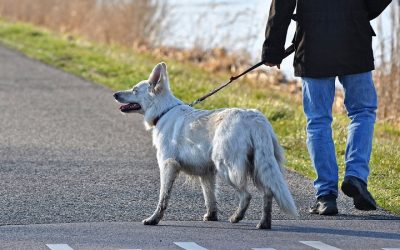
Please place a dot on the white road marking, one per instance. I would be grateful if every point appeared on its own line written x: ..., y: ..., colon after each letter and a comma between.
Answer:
x: 319, y: 245
x: 189, y: 246
x: 193, y: 246
x: 59, y: 247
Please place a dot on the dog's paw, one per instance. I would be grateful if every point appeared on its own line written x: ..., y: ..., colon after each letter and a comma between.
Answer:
x: 150, y: 221
x: 210, y: 217
x: 235, y: 218
x: 263, y: 225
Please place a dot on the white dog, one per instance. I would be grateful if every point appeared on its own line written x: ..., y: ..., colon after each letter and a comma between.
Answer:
x: 233, y: 143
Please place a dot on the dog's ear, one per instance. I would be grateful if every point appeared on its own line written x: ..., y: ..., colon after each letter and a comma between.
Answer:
x: 158, y: 78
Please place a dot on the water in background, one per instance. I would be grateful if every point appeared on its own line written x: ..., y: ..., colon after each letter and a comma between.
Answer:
x: 232, y: 24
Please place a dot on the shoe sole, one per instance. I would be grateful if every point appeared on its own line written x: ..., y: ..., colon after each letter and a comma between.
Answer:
x: 333, y: 211
x: 329, y: 212
x: 361, y: 202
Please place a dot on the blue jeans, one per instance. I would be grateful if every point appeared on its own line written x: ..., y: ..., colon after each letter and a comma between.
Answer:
x: 361, y: 103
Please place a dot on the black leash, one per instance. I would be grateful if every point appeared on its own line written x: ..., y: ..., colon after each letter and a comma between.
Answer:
x: 288, y: 51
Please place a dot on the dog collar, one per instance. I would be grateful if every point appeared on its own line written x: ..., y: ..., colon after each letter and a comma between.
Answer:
x: 163, y: 113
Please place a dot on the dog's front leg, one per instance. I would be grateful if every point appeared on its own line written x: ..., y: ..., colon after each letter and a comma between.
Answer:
x: 168, y: 172
x: 208, y: 186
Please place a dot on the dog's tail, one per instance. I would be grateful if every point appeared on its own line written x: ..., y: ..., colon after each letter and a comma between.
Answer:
x: 268, y: 168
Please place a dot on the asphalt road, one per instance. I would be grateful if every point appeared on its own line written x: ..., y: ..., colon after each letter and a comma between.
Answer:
x: 67, y: 155
x: 287, y: 234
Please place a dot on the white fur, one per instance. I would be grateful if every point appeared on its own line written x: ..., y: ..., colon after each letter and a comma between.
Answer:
x: 233, y: 143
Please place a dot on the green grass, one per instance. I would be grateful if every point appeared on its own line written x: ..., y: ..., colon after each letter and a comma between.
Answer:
x: 119, y: 68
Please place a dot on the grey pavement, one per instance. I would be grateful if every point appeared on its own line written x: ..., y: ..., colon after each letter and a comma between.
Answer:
x: 67, y: 155
x: 286, y: 234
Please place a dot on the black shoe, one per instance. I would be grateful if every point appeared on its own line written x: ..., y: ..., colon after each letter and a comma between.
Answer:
x: 357, y: 189
x: 325, y: 205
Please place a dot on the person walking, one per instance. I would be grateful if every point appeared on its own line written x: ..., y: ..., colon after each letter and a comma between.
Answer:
x: 332, y: 39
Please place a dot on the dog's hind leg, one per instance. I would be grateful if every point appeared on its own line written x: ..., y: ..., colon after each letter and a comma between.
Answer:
x: 238, y: 180
x: 244, y: 201
x: 208, y: 186
x: 168, y: 173
x: 265, y: 222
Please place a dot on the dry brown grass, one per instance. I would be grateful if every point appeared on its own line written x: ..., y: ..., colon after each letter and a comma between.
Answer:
x: 129, y: 23
x: 138, y: 24
x: 214, y: 60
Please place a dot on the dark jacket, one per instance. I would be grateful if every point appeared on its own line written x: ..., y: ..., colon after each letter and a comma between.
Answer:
x: 333, y: 37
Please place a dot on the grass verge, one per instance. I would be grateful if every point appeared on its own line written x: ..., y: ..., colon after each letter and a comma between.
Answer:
x: 119, y: 68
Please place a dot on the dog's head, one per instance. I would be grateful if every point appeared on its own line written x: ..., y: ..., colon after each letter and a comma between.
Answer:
x: 146, y: 93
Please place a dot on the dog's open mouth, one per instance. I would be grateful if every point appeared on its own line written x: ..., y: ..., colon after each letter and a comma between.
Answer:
x: 130, y: 107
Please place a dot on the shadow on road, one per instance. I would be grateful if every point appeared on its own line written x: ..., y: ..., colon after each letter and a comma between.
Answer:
x: 333, y: 228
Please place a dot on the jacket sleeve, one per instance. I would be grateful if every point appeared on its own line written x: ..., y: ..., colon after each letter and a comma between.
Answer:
x: 280, y: 14
x: 376, y: 7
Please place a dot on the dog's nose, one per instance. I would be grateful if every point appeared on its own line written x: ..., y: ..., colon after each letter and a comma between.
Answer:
x: 116, y: 95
